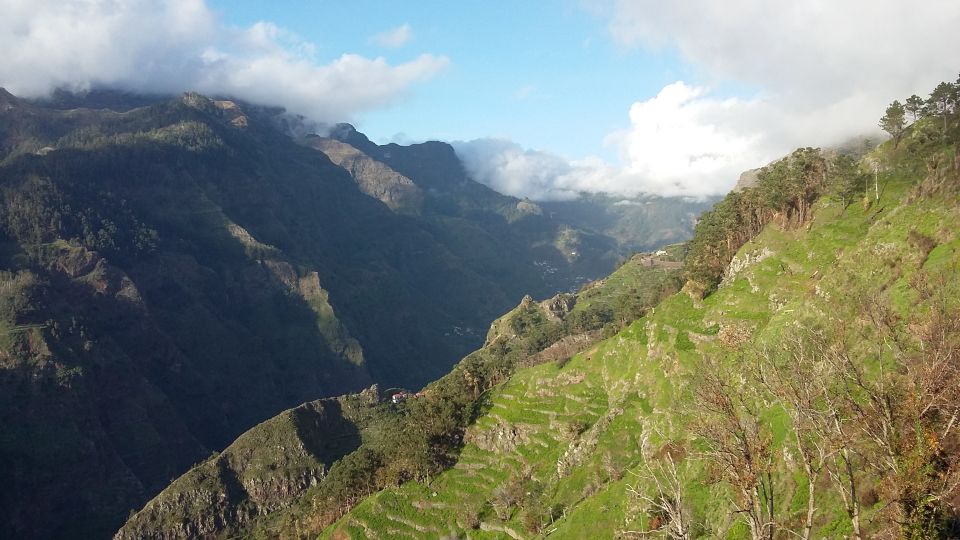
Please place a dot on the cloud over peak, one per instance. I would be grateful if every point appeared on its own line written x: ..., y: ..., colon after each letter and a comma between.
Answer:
x: 178, y: 45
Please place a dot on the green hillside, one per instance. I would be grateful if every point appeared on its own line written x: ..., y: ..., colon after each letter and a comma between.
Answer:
x: 823, y: 358
x: 389, y: 443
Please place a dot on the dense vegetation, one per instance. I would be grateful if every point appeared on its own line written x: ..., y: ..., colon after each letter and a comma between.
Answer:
x: 786, y: 189
x: 804, y: 383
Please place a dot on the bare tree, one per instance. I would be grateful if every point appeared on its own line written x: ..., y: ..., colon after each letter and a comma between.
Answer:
x: 904, y: 399
x: 739, y: 445
x: 799, y: 377
x: 794, y: 377
x: 667, y: 500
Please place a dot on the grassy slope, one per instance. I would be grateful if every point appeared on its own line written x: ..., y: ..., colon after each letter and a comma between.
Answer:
x: 630, y: 387
x: 190, y: 506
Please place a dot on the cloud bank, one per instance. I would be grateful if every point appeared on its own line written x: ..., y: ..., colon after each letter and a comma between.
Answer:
x: 177, y: 45
x: 808, y: 54
x: 681, y: 142
x: 819, y: 72
x: 823, y: 72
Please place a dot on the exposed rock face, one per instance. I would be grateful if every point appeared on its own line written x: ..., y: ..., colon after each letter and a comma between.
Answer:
x: 233, y: 113
x: 7, y: 101
x: 557, y: 307
x: 373, y: 177
x: 346, y: 133
x: 565, y: 347
x: 747, y: 179
x: 527, y: 207
x: 584, y: 445
x: 739, y: 264
x: 503, y: 438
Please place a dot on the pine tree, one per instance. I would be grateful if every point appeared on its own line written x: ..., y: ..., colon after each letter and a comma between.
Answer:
x: 914, y: 106
x: 894, y: 121
x: 846, y: 179
x: 942, y: 101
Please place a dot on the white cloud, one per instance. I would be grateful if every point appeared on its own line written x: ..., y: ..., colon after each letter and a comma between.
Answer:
x: 822, y: 71
x: 178, y: 45
x: 509, y: 168
x: 681, y: 142
x: 684, y: 142
x: 395, y: 38
x: 811, y: 53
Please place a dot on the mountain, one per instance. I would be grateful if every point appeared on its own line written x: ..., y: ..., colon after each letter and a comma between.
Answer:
x: 174, y: 271
x: 373, y: 177
x: 803, y: 381
x: 495, y: 234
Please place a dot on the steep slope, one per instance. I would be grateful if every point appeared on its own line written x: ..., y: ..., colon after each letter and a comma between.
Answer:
x: 387, y: 450
x: 374, y: 178
x: 495, y: 233
x: 803, y: 382
x: 638, y: 435
x: 175, y: 271
x: 226, y: 492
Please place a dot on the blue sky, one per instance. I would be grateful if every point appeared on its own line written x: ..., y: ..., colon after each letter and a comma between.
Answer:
x: 545, y: 99
x: 547, y: 75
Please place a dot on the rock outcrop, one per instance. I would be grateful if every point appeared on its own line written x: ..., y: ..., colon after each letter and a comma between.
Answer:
x: 372, y: 177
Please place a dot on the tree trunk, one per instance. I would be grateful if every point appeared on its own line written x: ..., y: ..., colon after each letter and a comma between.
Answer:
x: 854, y: 505
x: 811, y: 507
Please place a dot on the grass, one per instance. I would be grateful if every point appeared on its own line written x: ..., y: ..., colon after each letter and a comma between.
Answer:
x: 640, y: 379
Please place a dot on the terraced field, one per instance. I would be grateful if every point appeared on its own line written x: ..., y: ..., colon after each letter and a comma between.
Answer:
x: 563, y: 446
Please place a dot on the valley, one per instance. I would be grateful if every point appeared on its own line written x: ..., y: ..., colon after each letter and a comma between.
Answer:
x: 178, y: 272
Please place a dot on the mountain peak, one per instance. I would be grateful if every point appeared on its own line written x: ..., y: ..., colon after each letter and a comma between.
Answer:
x: 346, y: 133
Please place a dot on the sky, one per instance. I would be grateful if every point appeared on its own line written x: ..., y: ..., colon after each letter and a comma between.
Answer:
x: 543, y: 99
